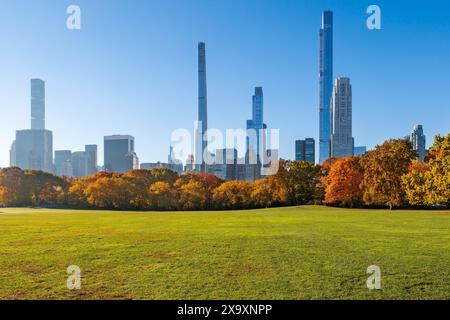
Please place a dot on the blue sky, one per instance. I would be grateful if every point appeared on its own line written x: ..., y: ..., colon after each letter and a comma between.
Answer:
x: 132, y: 68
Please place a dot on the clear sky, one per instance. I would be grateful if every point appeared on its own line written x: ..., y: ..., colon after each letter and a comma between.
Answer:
x: 132, y: 68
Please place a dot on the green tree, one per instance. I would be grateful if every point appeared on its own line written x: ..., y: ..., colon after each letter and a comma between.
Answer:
x: 383, y: 171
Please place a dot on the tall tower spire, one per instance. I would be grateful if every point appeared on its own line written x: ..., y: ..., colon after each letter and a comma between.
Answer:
x: 201, y: 144
x: 326, y: 84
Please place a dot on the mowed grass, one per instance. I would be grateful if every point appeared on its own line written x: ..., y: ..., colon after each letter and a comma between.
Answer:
x: 283, y: 253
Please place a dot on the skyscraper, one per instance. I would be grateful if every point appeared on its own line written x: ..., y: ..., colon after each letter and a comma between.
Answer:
x: 418, y: 141
x: 200, y: 143
x: 37, y: 104
x: 91, y: 159
x: 33, y: 149
x: 326, y: 84
x: 341, y: 119
x: 119, y: 153
x: 256, y: 140
x: 305, y: 150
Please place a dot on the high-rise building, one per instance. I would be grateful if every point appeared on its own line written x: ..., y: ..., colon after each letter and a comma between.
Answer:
x: 418, y: 141
x: 12, y: 155
x: 200, y: 139
x: 342, y: 142
x: 226, y: 165
x: 37, y: 104
x: 61, y: 158
x: 79, y: 164
x: 33, y: 149
x: 256, y: 137
x: 119, y: 153
x: 305, y: 150
x: 326, y: 84
x: 91, y: 159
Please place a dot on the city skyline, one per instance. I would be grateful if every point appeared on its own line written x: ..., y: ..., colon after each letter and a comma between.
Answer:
x: 73, y: 104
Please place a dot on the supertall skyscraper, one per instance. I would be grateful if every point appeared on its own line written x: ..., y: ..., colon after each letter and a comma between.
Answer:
x: 256, y: 137
x: 37, y: 104
x: 201, y: 144
x: 342, y: 142
x: 33, y: 149
x: 326, y: 84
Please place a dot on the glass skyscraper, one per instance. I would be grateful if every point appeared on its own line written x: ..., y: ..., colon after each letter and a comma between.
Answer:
x: 201, y: 144
x: 326, y: 84
x: 418, y: 141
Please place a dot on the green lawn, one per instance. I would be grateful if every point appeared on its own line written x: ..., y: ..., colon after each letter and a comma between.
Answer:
x: 289, y: 253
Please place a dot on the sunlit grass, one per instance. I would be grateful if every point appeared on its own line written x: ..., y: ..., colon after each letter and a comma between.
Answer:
x: 288, y: 253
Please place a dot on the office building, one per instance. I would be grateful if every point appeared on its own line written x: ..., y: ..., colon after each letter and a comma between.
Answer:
x: 79, y: 164
x: 418, y: 141
x: 91, y: 159
x: 33, y: 149
x: 326, y: 85
x: 119, y: 155
x: 305, y: 150
x: 342, y: 142
x: 62, y: 157
x: 37, y: 104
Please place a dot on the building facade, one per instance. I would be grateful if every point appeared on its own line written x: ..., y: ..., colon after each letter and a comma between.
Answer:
x: 91, y: 159
x: 305, y: 150
x: 326, y: 85
x: 119, y: 154
x: 62, y: 159
x: 342, y: 142
x: 33, y: 149
x: 37, y: 104
x: 418, y: 141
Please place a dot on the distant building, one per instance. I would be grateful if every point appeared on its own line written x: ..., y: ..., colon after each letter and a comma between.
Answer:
x: 342, y: 142
x: 200, y: 139
x: 33, y: 149
x: 418, y: 141
x: 326, y: 85
x: 119, y: 153
x: 305, y: 150
x: 12, y: 155
x: 91, y: 159
x: 225, y: 166
x: 79, y: 164
x: 62, y: 157
x: 360, y: 150
x: 37, y: 104
x: 256, y: 137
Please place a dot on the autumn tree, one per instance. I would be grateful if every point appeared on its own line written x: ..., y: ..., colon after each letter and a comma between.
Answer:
x: 268, y: 192
x: 233, y: 195
x: 343, y: 183
x: 429, y: 183
x: 383, y: 171
x: 13, y: 190
x: 301, y: 180
x: 110, y: 193
x: 196, y: 190
x: 163, y: 196
x: 46, y: 189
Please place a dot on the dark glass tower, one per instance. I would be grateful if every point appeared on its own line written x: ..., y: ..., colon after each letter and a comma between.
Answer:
x: 326, y: 84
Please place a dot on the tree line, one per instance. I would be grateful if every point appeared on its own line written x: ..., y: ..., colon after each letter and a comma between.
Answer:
x: 388, y: 176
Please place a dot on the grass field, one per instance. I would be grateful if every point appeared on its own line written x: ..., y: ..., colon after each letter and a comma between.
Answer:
x: 289, y: 253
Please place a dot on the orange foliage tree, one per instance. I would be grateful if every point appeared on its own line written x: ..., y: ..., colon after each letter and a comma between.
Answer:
x: 343, y: 183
